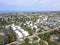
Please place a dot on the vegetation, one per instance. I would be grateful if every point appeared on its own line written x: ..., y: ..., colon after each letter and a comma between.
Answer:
x: 7, y: 37
x: 45, y: 36
x: 30, y: 31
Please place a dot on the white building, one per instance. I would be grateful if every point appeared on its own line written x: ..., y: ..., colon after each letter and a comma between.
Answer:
x: 20, y: 32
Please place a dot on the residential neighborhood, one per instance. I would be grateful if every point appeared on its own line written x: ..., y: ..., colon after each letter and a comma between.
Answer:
x: 30, y: 29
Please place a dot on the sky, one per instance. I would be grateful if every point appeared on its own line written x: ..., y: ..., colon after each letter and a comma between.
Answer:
x: 29, y: 5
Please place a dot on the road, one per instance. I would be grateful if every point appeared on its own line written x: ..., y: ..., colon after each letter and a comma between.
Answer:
x: 34, y: 34
x: 46, y: 31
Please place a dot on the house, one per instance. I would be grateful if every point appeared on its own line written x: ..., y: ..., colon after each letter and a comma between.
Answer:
x: 53, y: 36
x: 1, y: 33
x: 46, y: 28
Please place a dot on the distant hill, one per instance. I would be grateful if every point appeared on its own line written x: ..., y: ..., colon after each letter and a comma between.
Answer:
x: 39, y: 12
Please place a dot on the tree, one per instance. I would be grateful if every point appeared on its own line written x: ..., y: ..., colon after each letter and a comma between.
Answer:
x: 26, y: 41
x: 45, y: 36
